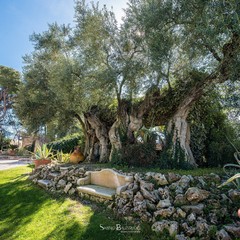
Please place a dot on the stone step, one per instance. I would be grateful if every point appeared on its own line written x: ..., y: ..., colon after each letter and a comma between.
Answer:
x: 44, y: 183
x: 66, y: 168
x: 52, y: 175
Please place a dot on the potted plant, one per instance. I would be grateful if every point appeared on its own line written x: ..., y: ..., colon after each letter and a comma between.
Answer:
x: 42, y: 155
x: 62, y: 157
x: 12, y: 150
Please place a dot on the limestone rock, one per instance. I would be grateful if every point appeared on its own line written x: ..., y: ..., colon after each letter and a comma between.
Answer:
x: 202, y: 228
x: 138, y: 177
x: 170, y: 226
x: 234, y: 230
x: 128, y: 194
x: 146, y: 217
x: 71, y: 191
x: 150, y: 206
x: 179, y: 190
x: 173, y: 177
x: 196, y: 195
x: 222, y: 235
x: 180, y: 200
x: 147, y: 195
x: 121, y: 202
x: 164, y: 203
x: 213, y: 217
x: 156, y: 194
x: 164, y: 193
x: 44, y: 183
x: 198, y: 209
x: 234, y: 195
x: 213, y: 178
x: 61, y: 183
x: 180, y: 213
x: 161, y: 179
x: 189, y: 231
x: 135, y: 188
x: 146, y: 185
x: 165, y: 212
x: 201, y: 182
x: 138, y: 197
x: 126, y: 210
x: 191, y: 218
x: 180, y: 237
x: 149, y: 175
x: 67, y: 187
x: 140, y: 207
x: 184, y: 182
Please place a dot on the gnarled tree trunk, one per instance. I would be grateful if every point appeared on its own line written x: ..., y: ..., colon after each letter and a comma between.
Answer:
x: 101, y: 132
x: 179, y: 126
x: 90, y: 143
x: 130, y: 119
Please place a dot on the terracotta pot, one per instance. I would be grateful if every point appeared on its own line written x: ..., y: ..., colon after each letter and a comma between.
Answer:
x: 76, y: 157
x: 40, y: 162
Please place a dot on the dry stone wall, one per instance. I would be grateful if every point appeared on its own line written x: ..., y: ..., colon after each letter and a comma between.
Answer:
x: 186, y: 207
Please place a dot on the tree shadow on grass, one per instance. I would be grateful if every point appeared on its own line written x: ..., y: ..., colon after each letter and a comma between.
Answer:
x: 19, y: 200
x: 104, y: 225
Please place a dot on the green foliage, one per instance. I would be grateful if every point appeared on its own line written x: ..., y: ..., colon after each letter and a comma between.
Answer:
x: 209, y: 128
x: 66, y: 144
x: 4, y: 142
x: 62, y: 157
x: 13, y: 146
x: 23, y: 152
x: 43, y: 152
x: 138, y: 155
x: 97, y: 62
x: 142, y: 153
x: 233, y: 168
x: 172, y: 156
x: 9, y: 78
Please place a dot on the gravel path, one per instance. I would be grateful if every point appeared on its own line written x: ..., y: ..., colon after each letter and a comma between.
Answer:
x: 6, y: 164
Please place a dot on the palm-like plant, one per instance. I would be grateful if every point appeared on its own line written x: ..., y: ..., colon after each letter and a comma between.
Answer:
x: 43, y: 152
x: 235, y: 179
x: 62, y: 157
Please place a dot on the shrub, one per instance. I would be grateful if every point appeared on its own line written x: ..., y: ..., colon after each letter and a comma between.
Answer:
x: 231, y: 168
x: 172, y: 156
x: 66, y: 144
x: 209, y: 128
x: 137, y: 155
x: 62, y: 157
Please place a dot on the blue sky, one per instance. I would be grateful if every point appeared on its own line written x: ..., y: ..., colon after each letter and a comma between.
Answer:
x: 20, y: 18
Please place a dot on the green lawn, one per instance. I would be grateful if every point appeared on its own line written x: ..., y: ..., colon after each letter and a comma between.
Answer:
x: 193, y: 172
x: 29, y: 213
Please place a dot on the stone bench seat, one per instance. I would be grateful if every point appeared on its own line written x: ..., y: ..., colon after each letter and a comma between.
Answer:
x: 105, y: 184
x: 98, y: 191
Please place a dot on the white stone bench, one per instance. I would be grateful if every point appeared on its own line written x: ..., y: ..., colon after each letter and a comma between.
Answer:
x: 104, y: 184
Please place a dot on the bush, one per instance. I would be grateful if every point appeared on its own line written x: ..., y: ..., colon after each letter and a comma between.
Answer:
x: 137, y: 155
x: 209, y: 131
x: 172, y: 156
x: 67, y: 144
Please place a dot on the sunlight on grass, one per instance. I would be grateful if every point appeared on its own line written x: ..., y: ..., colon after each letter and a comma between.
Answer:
x: 29, y: 213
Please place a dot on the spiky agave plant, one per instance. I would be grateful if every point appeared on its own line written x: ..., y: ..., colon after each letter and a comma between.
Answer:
x: 43, y: 152
x: 235, y: 179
